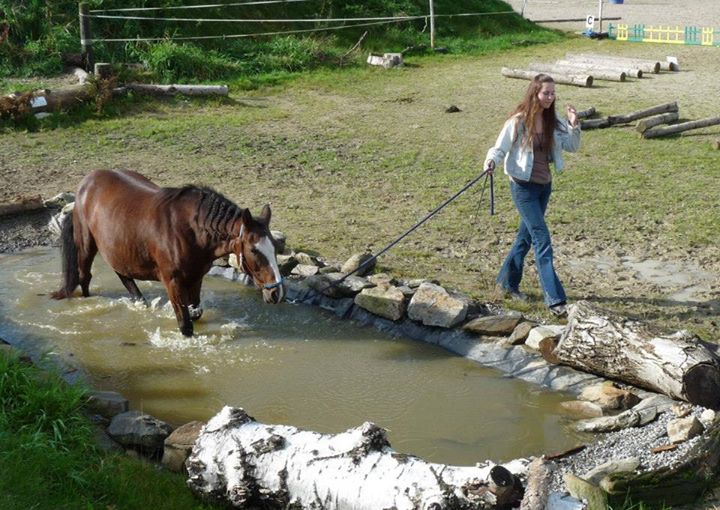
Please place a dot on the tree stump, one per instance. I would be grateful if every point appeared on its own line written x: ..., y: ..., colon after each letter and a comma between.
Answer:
x: 245, y: 464
x: 677, y: 365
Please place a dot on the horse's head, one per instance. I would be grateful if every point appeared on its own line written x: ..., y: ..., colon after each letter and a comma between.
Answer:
x: 255, y: 249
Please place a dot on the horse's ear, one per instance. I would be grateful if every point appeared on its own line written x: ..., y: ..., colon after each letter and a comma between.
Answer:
x: 246, y: 217
x: 265, y: 214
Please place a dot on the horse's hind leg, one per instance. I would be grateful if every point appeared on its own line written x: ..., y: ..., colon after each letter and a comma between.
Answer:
x: 87, y: 249
x: 132, y: 288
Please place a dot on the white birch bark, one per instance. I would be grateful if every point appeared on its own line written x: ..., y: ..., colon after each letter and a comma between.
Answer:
x: 244, y: 463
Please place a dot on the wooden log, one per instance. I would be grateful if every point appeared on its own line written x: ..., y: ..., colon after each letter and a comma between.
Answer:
x: 102, y: 70
x: 567, y: 79
x: 594, y: 123
x: 596, y: 73
x: 631, y: 72
x: 646, y: 66
x: 584, y: 114
x: 24, y: 204
x: 64, y: 98
x: 679, y: 128
x: 243, y: 463
x: 187, y: 90
x: 664, y: 118
x: 678, y: 365
x: 537, y: 489
x: 640, y: 114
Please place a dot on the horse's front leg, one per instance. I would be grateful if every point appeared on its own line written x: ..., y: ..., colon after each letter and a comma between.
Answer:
x: 177, y: 292
x: 194, y: 307
x: 132, y: 288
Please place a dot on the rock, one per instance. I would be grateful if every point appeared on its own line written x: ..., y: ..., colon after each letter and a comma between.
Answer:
x: 305, y: 259
x: 609, y: 423
x: 434, y: 306
x: 707, y: 417
x: 683, y: 429
x: 133, y: 429
x: 222, y: 261
x: 329, y: 286
x: 582, y: 408
x: 381, y: 279
x: 280, y: 241
x: 609, y: 397
x: 179, y: 444
x: 494, y: 325
x: 558, y: 501
x: 681, y: 409
x: 521, y: 332
x: 286, y: 263
x: 540, y: 333
x: 408, y: 292
x: 385, y: 301
x: 329, y: 269
x: 366, y: 260
x: 594, y: 496
x: 305, y: 270
x: 596, y: 474
x: 107, y: 403
x: 59, y: 200
x: 660, y: 403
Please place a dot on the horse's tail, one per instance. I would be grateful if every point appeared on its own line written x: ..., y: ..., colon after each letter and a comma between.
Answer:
x: 71, y: 275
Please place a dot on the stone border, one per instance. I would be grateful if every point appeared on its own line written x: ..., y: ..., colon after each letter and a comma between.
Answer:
x: 490, y: 336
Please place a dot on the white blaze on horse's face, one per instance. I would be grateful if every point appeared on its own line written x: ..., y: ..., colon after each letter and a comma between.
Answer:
x: 267, y: 249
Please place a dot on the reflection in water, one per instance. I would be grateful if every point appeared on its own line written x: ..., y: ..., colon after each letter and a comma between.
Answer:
x: 284, y: 364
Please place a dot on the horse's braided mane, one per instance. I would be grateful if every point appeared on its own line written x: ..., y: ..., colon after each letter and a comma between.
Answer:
x: 215, y: 213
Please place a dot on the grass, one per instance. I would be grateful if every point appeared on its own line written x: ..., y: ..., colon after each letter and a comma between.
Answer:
x: 351, y: 158
x: 48, y: 457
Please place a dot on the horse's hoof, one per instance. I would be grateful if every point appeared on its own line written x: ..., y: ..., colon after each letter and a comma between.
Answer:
x: 195, y: 312
x: 187, y: 331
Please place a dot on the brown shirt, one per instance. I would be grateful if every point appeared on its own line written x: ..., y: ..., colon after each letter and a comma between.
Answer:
x: 541, y: 164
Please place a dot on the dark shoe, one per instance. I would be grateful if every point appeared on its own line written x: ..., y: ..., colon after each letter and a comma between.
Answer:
x: 559, y: 310
x: 515, y: 295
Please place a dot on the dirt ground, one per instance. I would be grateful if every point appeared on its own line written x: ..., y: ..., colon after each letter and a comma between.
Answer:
x: 352, y: 165
x: 699, y: 13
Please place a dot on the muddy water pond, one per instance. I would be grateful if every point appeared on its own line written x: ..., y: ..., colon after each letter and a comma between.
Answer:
x: 287, y: 364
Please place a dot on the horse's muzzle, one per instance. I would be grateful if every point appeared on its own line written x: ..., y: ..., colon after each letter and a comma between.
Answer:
x: 274, y: 295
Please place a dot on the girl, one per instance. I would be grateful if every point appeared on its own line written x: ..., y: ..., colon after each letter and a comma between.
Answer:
x: 531, y: 138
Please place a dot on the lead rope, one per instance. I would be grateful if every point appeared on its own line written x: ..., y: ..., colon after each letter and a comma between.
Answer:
x: 411, y: 230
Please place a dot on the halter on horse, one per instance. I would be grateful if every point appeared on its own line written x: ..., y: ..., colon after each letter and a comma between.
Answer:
x: 171, y: 235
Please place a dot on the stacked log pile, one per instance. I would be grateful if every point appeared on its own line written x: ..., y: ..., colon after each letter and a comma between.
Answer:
x: 650, y: 121
x: 582, y: 69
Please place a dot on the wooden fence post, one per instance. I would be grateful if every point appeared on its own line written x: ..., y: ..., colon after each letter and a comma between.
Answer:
x: 432, y: 24
x: 86, y: 38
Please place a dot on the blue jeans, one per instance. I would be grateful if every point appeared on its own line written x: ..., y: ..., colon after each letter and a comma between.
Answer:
x: 531, y: 201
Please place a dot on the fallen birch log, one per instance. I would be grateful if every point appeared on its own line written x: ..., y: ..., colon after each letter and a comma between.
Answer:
x: 664, y: 118
x: 187, y: 90
x: 646, y: 66
x: 246, y: 464
x: 567, y: 79
x: 677, y: 365
x: 632, y: 72
x: 679, y: 128
x: 63, y: 99
x: 640, y: 114
x: 597, y: 74
x: 24, y: 204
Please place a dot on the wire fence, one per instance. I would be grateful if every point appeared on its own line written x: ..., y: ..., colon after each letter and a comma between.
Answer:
x: 323, y: 24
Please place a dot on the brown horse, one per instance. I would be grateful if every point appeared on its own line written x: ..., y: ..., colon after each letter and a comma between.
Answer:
x: 171, y: 235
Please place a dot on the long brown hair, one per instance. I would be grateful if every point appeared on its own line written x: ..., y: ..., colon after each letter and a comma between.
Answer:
x: 529, y: 109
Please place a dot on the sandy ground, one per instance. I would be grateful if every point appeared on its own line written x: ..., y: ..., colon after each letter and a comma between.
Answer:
x: 699, y: 13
